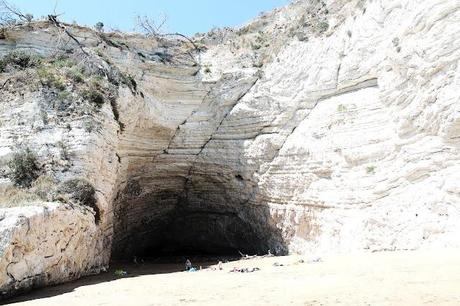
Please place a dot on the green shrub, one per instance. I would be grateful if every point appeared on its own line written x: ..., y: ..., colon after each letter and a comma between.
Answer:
x: 94, y: 95
x: 78, y: 191
x: 63, y: 95
x: 24, y: 168
x: 323, y: 26
x: 75, y: 75
x: 341, y: 108
x: 88, y: 126
x: 99, y: 26
x: 120, y: 273
x: 370, y: 170
x: 19, y: 60
x: 49, y: 78
x: 63, y: 61
x: 256, y: 46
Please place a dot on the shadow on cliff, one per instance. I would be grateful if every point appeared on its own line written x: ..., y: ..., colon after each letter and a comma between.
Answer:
x: 216, y: 211
x: 205, y: 228
x: 201, y: 194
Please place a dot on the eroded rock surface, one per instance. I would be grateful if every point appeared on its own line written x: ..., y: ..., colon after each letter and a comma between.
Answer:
x: 319, y: 127
x: 47, y: 244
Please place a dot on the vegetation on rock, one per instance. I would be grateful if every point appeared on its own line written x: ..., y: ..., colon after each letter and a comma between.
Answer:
x: 24, y: 168
x: 78, y: 191
x: 39, y: 191
x: 19, y: 60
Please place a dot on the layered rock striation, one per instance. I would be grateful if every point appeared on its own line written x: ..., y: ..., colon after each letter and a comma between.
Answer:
x: 319, y: 127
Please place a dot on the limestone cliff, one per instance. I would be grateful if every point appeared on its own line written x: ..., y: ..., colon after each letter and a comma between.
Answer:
x: 319, y: 127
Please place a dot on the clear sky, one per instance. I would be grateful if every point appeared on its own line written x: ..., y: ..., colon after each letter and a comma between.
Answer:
x: 185, y: 16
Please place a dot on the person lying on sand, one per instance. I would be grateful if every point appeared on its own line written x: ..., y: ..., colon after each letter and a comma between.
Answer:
x: 244, y: 270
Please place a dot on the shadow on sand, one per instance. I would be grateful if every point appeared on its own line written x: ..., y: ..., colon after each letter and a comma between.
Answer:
x: 151, y: 266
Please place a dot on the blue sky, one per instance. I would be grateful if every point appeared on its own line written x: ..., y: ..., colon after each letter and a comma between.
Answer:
x: 185, y: 16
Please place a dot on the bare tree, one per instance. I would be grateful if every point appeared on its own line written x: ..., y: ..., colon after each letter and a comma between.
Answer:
x: 155, y: 28
x: 9, y: 13
x: 150, y: 26
x: 54, y: 20
x: 6, y: 17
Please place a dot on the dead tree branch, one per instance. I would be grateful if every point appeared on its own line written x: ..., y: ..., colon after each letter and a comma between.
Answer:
x: 8, y: 12
x: 152, y: 28
x: 53, y: 20
x: 183, y: 36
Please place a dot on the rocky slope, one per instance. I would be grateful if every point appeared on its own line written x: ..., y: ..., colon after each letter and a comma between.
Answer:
x: 319, y: 127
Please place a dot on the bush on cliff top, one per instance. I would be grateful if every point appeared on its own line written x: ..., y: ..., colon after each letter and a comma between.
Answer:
x: 78, y: 191
x: 94, y: 95
x: 74, y: 191
x: 24, y: 168
x: 19, y: 60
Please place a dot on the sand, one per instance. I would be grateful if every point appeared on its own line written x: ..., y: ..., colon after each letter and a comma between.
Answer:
x: 388, y: 278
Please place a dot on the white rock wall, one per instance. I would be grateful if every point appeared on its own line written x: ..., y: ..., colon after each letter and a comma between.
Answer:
x: 47, y: 244
x: 346, y: 139
x: 356, y: 130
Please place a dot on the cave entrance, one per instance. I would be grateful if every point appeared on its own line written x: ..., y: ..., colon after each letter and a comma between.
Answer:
x: 207, y: 233
x: 201, y: 232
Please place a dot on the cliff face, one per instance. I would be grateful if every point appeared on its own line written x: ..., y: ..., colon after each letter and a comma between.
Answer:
x: 322, y: 127
x: 46, y: 245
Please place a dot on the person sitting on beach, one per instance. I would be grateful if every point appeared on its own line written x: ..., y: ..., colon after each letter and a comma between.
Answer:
x: 188, y: 265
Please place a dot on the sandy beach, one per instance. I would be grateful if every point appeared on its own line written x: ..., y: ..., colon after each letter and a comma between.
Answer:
x: 389, y: 278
